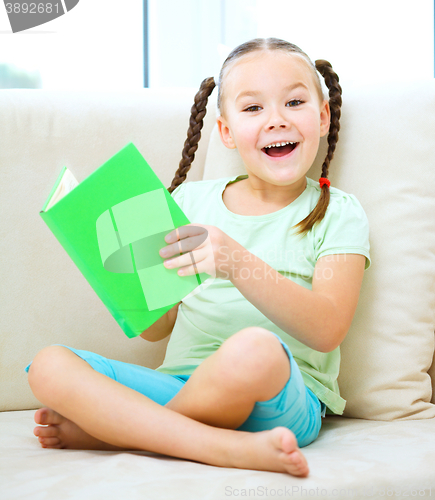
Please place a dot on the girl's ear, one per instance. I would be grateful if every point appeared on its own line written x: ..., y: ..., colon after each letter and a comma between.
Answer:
x: 325, y: 118
x: 225, y: 133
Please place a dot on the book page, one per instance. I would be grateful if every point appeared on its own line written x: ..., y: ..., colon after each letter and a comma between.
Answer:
x: 66, y: 185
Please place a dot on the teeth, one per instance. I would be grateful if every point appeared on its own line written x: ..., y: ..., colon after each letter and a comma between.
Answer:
x: 279, y: 144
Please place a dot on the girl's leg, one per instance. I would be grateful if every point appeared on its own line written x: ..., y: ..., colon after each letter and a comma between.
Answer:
x: 55, y: 431
x: 250, y: 366
x: 123, y: 418
x: 246, y: 385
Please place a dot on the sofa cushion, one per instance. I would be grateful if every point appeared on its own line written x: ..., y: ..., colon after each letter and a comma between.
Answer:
x: 393, y: 460
x: 385, y: 156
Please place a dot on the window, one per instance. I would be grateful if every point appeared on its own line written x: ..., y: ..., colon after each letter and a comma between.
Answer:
x: 96, y: 45
x: 189, y: 39
x: 99, y: 44
x: 365, y: 41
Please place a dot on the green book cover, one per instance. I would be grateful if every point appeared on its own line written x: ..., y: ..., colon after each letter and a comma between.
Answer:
x: 113, y: 225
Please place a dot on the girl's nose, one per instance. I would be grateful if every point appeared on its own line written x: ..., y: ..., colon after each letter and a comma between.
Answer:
x: 276, y: 120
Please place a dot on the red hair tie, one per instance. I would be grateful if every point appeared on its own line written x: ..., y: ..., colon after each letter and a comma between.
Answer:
x: 323, y: 181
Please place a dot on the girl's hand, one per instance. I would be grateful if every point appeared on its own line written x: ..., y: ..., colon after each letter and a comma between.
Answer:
x: 204, y: 249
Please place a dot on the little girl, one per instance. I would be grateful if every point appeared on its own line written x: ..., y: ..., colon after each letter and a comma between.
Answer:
x: 253, y: 360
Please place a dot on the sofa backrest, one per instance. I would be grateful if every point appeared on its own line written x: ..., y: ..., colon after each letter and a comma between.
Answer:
x: 385, y: 156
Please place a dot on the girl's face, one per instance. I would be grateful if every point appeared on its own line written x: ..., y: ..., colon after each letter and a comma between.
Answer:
x: 270, y: 98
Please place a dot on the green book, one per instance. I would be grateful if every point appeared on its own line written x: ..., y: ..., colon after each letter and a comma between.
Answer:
x: 113, y: 225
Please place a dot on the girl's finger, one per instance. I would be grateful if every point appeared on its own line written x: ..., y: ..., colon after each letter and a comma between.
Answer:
x: 181, y: 261
x: 189, y: 270
x: 187, y: 231
x: 188, y: 260
x: 183, y: 246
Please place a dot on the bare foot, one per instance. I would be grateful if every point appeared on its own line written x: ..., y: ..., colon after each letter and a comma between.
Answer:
x: 59, y: 432
x: 275, y: 450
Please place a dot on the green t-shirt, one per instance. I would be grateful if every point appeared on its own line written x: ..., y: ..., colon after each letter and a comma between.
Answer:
x: 217, y: 310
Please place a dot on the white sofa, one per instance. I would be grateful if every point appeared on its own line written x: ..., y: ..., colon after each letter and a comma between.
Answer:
x: 384, y: 445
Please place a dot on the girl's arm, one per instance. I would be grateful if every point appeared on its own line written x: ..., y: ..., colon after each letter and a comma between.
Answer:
x: 319, y: 318
x: 162, y: 327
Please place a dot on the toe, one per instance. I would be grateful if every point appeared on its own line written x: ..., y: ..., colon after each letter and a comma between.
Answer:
x: 49, y: 431
x: 296, y: 463
x: 40, y: 416
x: 46, y: 416
x: 288, y: 442
x: 49, y: 442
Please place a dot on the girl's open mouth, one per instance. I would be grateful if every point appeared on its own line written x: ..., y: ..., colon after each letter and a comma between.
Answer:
x: 280, y: 149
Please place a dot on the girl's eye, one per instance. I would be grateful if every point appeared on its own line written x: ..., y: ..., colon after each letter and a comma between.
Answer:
x: 293, y: 103
x: 252, y: 108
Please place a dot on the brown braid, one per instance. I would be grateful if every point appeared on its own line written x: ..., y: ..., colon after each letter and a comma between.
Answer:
x: 198, y: 112
x: 331, y: 80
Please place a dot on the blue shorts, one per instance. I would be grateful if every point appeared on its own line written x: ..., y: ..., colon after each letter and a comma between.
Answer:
x: 295, y: 407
